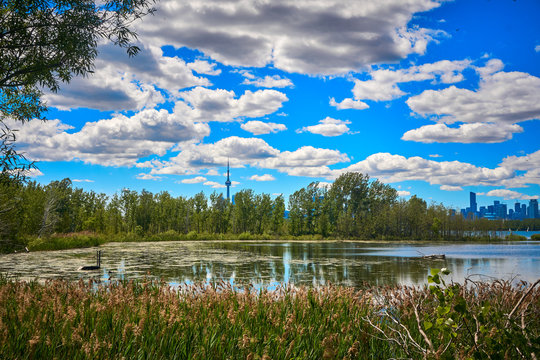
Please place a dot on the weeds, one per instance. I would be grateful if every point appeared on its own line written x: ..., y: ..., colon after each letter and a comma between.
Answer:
x: 151, y: 320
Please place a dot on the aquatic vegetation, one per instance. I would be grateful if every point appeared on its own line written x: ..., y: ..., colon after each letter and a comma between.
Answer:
x: 152, y: 320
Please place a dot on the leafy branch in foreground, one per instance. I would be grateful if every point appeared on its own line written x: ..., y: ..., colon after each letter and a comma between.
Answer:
x: 472, y: 321
x: 46, y: 42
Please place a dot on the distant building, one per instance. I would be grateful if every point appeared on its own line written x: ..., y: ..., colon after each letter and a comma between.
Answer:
x: 499, y: 210
x: 533, y: 209
x: 472, y: 199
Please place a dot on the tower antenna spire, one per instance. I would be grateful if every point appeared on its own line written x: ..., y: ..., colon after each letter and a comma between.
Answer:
x: 228, y: 182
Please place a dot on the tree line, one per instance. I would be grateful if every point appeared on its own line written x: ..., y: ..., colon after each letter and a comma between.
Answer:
x: 353, y: 207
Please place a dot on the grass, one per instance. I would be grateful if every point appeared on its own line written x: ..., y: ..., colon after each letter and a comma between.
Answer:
x: 83, y: 320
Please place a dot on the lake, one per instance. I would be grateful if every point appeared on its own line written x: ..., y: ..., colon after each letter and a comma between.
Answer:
x: 267, y: 264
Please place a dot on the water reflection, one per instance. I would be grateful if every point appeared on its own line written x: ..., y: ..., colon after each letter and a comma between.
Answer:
x: 272, y: 263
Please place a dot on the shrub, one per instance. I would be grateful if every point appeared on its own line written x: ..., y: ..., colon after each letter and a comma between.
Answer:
x: 515, y: 237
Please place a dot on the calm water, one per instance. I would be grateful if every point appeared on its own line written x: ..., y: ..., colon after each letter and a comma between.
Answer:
x: 270, y: 263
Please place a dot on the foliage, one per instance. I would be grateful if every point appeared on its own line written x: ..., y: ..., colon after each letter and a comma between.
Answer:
x: 515, y: 237
x: 475, y: 320
x: 535, y: 237
x: 44, y: 43
x: 354, y: 207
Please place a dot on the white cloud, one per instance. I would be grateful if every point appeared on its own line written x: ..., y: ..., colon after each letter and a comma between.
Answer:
x: 435, y: 155
x: 383, y: 84
x: 349, y: 104
x: 119, y: 141
x: 254, y: 152
x: 204, y: 67
x: 265, y: 177
x: 465, y: 133
x: 529, y: 165
x: 396, y: 168
x: 328, y: 127
x: 222, y: 105
x: 259, y: 128
x: 195, y: 180
x: 510, y: 194
x: 31, y: 173
x: 502, y: 98
x: 121, y: 83
x: 143, y: 176
x: 537, y: 48
x: 488, y: 115
x: 82, y: 180
x: 214, y: 184
x: 274, y: 81
x: 328, y: 37
x: 451, y: 188
x: 403, y: 193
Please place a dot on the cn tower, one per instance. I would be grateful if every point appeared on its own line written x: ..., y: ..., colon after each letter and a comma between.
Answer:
x: 228, y: 182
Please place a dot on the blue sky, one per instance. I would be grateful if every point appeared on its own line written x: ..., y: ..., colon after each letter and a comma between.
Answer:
x: 436, y: 98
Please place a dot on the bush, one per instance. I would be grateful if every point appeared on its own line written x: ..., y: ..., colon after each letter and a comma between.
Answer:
x: 66, y: 241
x: 515, y: 237
x: 535, y: 237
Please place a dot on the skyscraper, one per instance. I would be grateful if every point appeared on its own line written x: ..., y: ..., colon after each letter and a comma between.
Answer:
x: 228, y: 182
x: 473, y: 205
x: 533, y: 208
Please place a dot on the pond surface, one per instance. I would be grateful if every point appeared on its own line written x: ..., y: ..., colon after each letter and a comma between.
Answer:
x: 267, y: 264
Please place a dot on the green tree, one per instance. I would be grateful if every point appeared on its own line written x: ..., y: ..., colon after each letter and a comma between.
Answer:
x: 46, y: 42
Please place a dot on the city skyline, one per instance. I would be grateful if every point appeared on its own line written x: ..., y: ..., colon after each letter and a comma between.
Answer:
x: 436, y: 98
x: 499, y: 210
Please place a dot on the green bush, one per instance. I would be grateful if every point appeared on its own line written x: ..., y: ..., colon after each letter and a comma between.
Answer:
x: 515, y: 237
x: 535, y: 237
x: 66, y: 241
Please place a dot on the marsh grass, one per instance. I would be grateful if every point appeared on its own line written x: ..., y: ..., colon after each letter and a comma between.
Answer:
x: 150, y: 320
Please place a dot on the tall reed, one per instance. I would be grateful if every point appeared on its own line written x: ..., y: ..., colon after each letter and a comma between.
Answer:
x: 60, y: 319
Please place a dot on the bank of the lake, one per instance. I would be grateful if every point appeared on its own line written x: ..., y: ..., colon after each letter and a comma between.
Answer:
x: 73, y: 320
x: 90, y: 239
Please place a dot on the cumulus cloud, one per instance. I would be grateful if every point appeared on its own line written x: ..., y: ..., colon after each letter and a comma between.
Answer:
x: 214, y: 184
x: 383, y: 84
x: 502, y: 98
x: 268, y: 81
x: 403, y: 193
x: 82, y: 180
x: 144, y: 176
x: 265, y: 177
x: 527, y: 165
x: 435, y: 155
x: 510, y: 194
x: 119, y: 141
x: 254, y: 152
x: 259, y: 128
x: 451, y: 188
x: 465, y: 133
x: 223, y: 105
x: 396, y: 168
x: 349, y: 104
x: 487, y: 115
x: 328, y: 127
x: 195, y: 180
x: 327, y: 37
x: 122, y: 83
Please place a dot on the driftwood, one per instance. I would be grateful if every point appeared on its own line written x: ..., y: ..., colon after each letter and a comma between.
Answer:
x: 434, y: 257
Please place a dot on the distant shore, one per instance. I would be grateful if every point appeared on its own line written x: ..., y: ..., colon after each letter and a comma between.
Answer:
x: 90, y: 239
